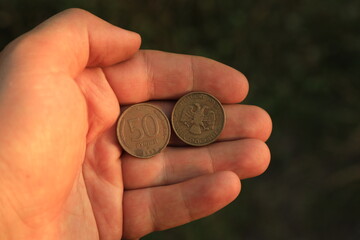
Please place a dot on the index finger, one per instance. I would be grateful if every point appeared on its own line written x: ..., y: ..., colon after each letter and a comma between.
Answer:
x: 155, y: 75
x: 70, y: 41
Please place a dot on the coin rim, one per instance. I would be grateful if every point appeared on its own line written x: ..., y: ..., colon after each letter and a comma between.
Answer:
x: 175, y: 130
x: 122, y: 116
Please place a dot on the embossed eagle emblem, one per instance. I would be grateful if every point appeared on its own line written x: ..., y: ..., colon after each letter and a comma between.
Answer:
x: 198, y: 118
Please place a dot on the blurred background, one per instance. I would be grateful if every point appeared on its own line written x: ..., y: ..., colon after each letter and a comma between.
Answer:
x: 302, y: 59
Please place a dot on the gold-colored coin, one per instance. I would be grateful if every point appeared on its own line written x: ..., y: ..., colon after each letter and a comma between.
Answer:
x: 198, y: 118
x: 143, y: 130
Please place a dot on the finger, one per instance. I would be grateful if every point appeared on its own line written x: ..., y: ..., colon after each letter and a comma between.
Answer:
x: 72, y: 40
x: 242, y: 121
x: 160, y: 75
x: 152, y: 209
x: 246, y: 121
x: 247, y: 158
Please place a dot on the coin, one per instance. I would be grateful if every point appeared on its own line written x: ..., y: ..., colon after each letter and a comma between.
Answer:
x: 143, y: 130
x: 198, y: 118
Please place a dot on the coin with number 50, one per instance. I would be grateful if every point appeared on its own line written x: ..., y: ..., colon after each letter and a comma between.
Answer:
x: 143, y: 130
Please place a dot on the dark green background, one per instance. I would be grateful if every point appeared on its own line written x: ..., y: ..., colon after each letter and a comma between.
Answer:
x: 302, y: 59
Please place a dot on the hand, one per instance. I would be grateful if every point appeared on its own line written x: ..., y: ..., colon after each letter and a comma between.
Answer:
x: 62, y: 173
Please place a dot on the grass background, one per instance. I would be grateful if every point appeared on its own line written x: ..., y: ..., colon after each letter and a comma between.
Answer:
x: 302, y: 59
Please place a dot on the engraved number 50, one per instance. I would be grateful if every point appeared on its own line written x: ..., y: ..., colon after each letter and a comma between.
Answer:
x: 142, y: 127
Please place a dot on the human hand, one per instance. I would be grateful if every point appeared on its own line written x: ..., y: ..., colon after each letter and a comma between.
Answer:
x: 62, y: 173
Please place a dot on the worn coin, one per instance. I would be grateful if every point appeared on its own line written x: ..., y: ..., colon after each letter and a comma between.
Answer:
x: 143, y: 130
x: 198, y: 118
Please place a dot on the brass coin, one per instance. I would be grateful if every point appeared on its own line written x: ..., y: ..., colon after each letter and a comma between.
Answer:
x: 143, y: 130
x: 198, y: 118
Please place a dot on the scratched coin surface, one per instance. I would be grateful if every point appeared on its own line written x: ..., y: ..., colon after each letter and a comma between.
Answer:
x: 143, y: 130
x: 198, y: 118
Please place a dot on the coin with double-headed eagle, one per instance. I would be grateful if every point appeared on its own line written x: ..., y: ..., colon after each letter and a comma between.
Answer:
x: 198, y: 118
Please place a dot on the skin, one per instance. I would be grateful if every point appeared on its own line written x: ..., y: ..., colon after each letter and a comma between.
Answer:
x: 62, y: 173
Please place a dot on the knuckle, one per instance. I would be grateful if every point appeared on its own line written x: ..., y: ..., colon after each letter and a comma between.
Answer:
x: 76, y: 12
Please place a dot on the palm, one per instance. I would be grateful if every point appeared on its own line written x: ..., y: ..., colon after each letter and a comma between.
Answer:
x: 95, y: 200
x: 73, y: 177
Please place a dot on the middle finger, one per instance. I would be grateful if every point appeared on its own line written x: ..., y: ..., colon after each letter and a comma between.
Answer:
x: 242, y: 121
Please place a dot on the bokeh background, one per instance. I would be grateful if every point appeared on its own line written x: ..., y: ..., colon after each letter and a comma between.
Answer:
x: 302, y: 59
